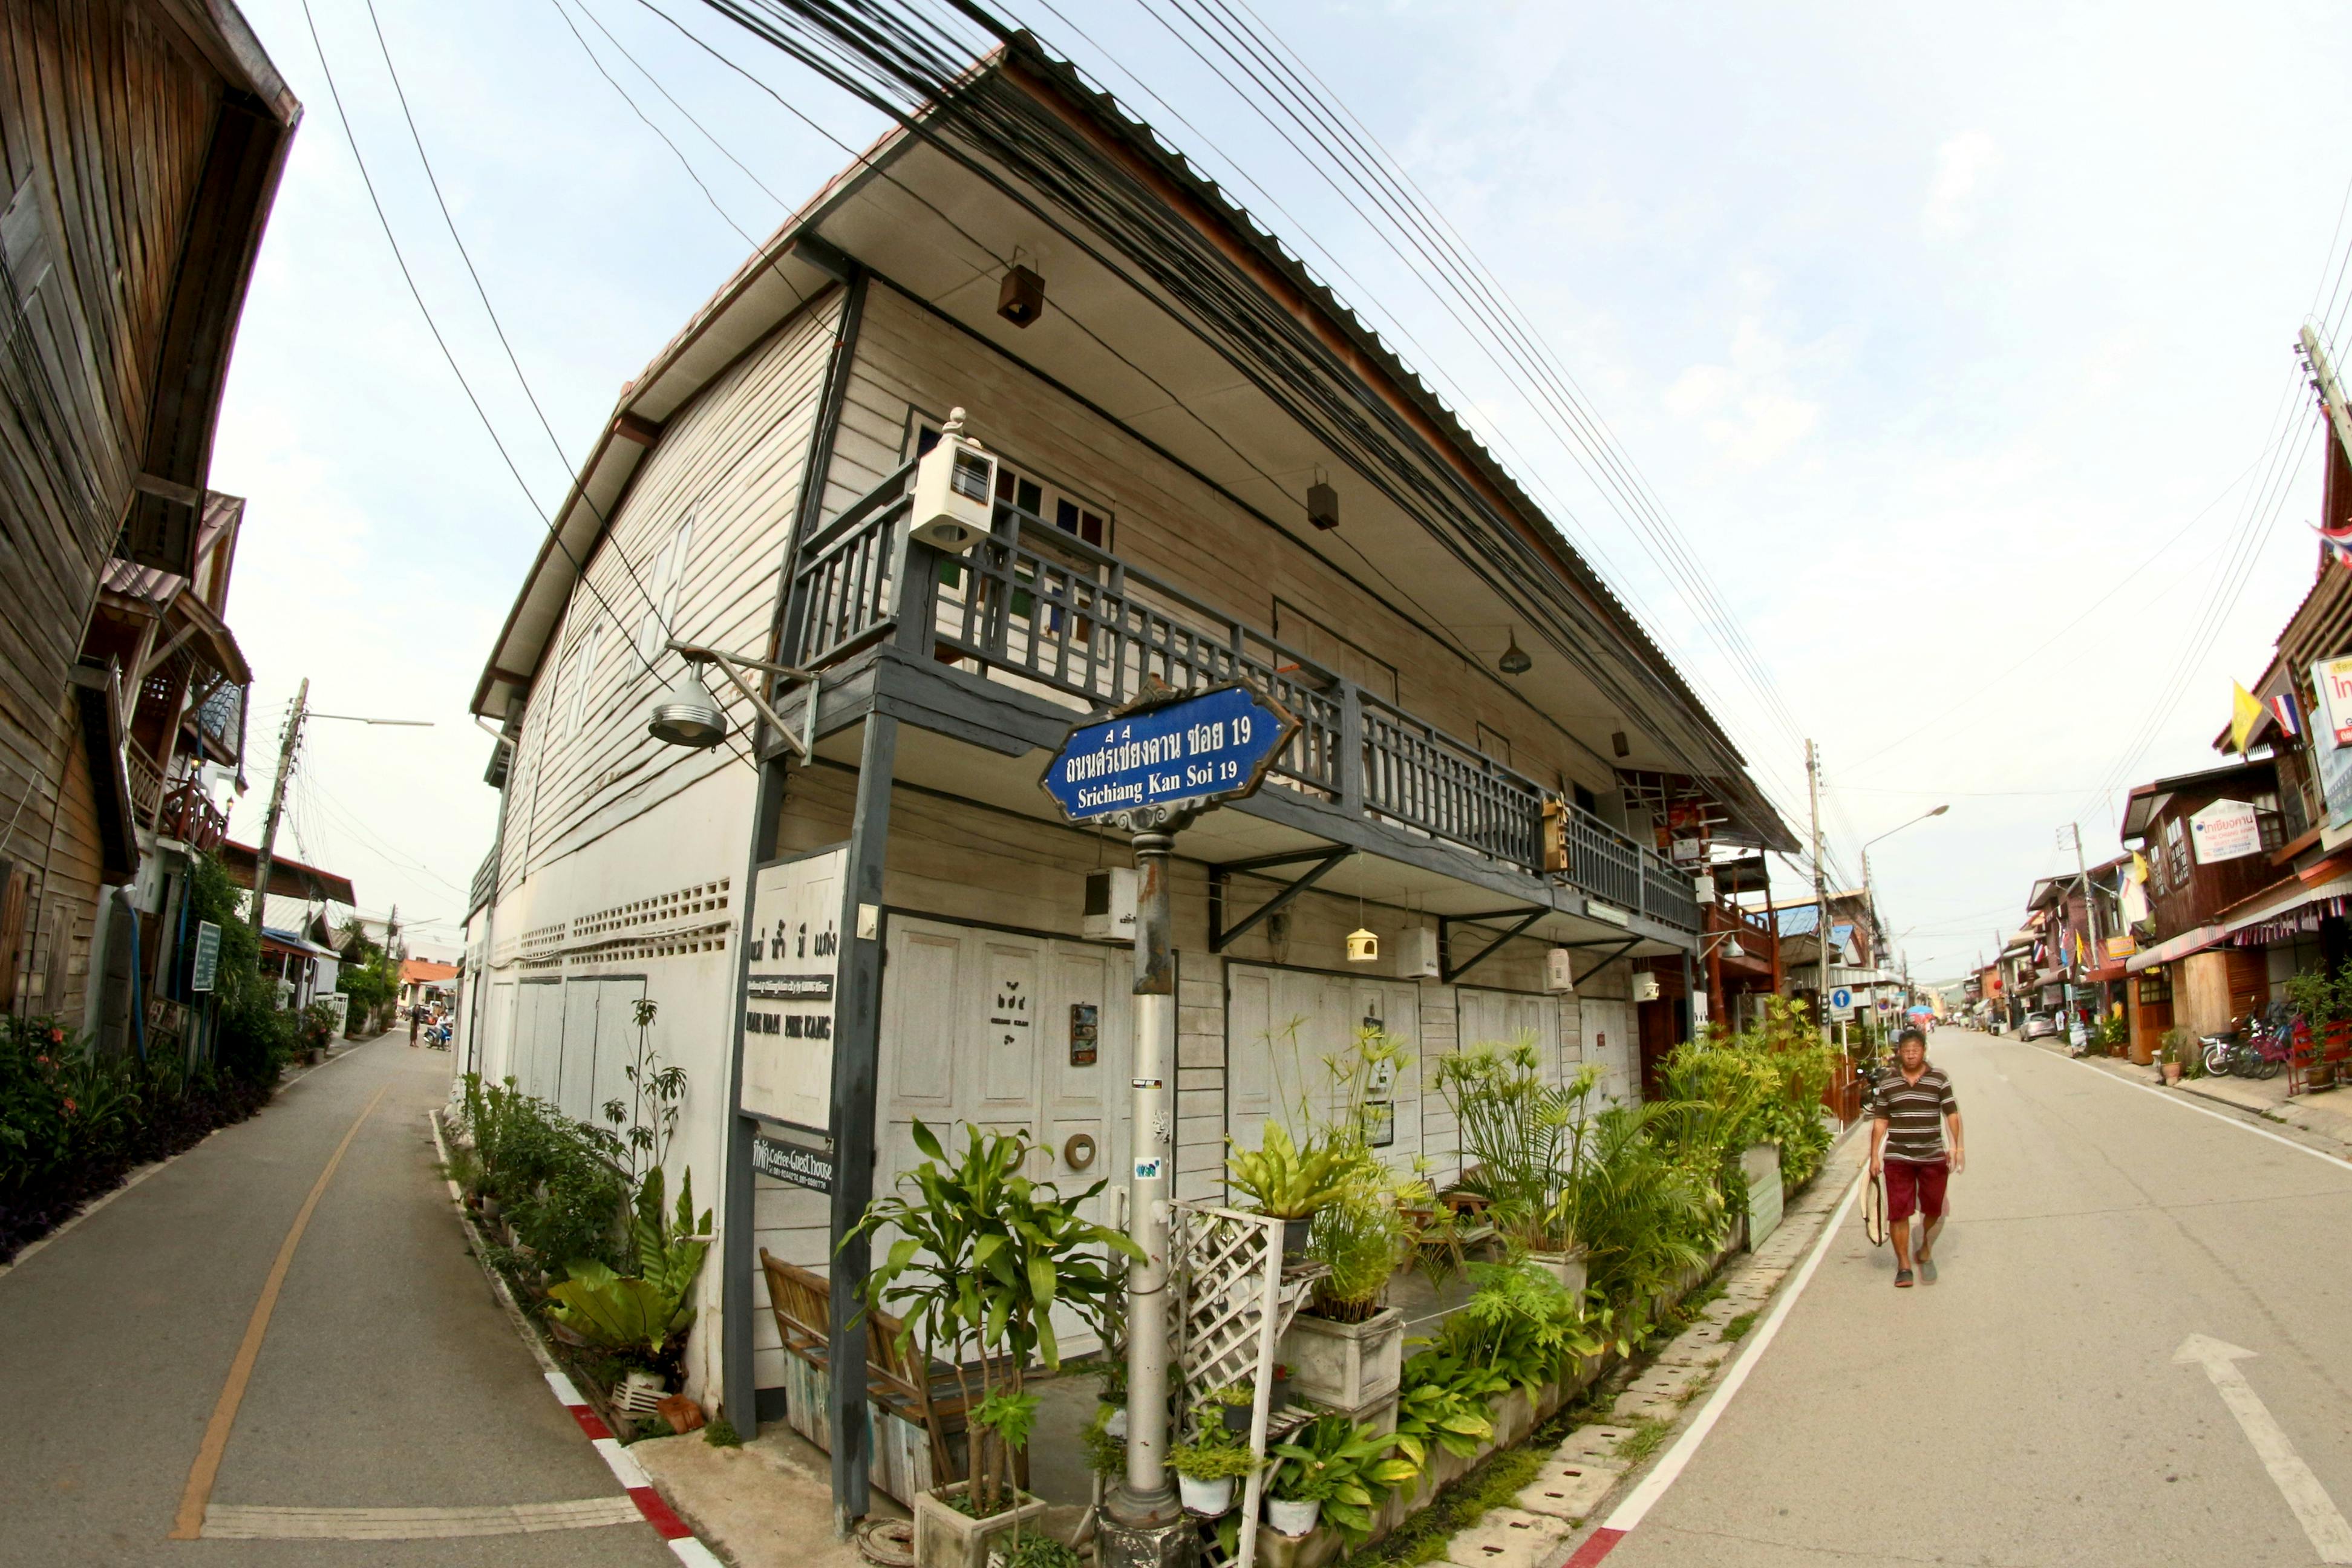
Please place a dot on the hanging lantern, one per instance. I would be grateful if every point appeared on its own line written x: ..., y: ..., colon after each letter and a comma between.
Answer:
x: 1363, y: 946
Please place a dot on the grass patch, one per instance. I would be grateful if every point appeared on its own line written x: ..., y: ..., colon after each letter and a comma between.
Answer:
x: 1644, y: 1440
x: 1422, y: 1538
x: 1737, y: 1329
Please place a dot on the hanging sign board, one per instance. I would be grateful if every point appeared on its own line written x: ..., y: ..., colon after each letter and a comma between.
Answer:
x: 2225, y: 830
x: 206, y: 969
x: 793, y: 1162
x: 793, y: 936
x: 1169, y: 749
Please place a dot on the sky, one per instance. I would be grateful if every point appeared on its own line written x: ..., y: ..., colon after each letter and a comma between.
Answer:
x: 1957, y: 356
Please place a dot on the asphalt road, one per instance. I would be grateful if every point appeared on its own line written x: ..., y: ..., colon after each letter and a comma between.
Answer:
x: 2028, y: 1408
x: 388, y: 1378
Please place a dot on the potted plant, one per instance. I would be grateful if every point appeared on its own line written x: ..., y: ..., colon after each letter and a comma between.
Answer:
x: 1347, y: 1348
x: 1207, y: 1467
x: 1521, y: 1140
x: 1233, y: 1406
x: 982, y: 1256
x: 1335, y: 1472
x: 2172, y: 1051
x: 1291, y: 1180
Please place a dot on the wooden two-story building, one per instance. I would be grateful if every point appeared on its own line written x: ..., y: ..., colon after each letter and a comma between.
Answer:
x: 2200, y: 966
x: 1209, y: 471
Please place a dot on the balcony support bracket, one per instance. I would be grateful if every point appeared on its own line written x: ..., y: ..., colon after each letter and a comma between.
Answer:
x: 1219, y: 883
x: 1448, y: 971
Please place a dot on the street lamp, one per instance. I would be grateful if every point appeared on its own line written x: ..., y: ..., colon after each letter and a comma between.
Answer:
x: 1869, y: 901
x: 688, y: 714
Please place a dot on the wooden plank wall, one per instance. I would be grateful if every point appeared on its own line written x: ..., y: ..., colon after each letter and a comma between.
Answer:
x: 1169, y: 523
x: 104, y: 125
x: 731, y: 461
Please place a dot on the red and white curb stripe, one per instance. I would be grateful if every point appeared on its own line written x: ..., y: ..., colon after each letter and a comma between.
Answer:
x: 631, y: 1476
x: 1669, y: 1467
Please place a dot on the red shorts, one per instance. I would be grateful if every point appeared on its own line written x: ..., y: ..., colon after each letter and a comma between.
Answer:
x: 1911, y: 1187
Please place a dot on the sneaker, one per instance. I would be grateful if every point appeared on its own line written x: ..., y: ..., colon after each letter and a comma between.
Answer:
x: 1927, y: 1271
x: 1902, y: 1279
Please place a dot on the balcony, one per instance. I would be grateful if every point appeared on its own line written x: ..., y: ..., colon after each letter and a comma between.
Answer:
x: 190, y: 816
x: 1750, y: 939
x: 1042, y: 612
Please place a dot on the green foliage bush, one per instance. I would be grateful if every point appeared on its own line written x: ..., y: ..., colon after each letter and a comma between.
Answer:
x: 557, y: 1179
x: 254, y: 1037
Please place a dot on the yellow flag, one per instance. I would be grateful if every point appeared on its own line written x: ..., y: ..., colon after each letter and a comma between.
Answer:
x: 2245, y: 712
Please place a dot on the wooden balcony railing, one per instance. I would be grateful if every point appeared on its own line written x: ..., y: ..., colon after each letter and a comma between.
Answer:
x: 1070, y: 622
x: 190, y: 816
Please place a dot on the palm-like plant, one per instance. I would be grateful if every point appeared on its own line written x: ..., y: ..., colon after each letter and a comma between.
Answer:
x: 982, y: 1258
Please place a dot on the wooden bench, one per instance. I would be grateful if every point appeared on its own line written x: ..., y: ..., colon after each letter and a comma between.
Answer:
x: 919, y: 1408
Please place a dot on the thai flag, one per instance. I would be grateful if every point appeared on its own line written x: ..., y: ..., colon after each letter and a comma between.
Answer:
x: 2283, y: 709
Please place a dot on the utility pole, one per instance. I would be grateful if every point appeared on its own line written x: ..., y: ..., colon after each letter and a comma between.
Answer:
x: 2323, y: 377
x: 1820, y: 893
x: 288, y: 742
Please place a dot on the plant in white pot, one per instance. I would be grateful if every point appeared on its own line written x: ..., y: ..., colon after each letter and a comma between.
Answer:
x: 1333, y: 1472
x: 981, y: 1256
x: 1206, y: 1470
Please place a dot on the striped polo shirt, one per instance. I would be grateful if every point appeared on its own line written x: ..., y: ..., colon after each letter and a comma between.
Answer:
x: 1914, y: 1114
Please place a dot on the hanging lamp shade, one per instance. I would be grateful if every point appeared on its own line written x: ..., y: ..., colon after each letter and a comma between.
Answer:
x: 688, y: 714
x: 1363, y: 946
x: 1515, y: 660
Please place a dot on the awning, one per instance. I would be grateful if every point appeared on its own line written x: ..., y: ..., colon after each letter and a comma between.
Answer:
x: 2106, y: 974
x: 288, y: 879
x: 2291, y: 907
x: 2181, y: 946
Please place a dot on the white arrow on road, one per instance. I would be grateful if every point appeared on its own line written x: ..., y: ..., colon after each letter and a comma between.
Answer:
x: 2330, y: 1536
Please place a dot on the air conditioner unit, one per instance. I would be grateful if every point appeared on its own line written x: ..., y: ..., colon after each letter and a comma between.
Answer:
x: 955, y: 492
x: 1559, y: 972
x: 1420, y: 960
x: 1110, y: 914
x: 1645, y: 988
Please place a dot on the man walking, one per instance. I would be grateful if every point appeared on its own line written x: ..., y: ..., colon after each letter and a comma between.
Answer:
x: 1912, y: 1109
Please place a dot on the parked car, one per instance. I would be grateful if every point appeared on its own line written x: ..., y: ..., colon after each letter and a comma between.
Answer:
x: 2037, y: 1025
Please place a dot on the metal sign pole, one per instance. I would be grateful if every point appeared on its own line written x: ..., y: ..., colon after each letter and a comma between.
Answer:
x: 1143, y: 1525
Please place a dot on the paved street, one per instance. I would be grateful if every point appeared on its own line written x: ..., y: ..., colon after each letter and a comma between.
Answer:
x: 388, y: 1377
x: 2028, y: 1408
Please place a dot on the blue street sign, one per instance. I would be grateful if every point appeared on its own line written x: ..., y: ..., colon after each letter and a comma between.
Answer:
x: 1182, y: 750
x: 1840, y: 999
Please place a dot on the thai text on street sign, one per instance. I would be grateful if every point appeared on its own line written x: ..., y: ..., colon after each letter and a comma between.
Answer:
x: 1178, y: 750
x: 793, y: 936
x: 206, y: 967
x: 2331, y: 678
x: 2225, y: 830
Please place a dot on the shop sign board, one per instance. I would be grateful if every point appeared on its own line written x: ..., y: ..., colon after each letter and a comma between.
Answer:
x: 793, y: 1162
x: 1171, y: 750
x: 2225, y: 830
x: 2120, y: 948
x: 792, y: 959
x: 206, y: 968
x: 2331, y: 738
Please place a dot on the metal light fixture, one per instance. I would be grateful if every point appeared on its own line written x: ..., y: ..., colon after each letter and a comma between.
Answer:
x: 688, y: 714
x: 1322, y: 505
x: 1617, y: 743
x: 1022, y: 300
x: 1515, y: 660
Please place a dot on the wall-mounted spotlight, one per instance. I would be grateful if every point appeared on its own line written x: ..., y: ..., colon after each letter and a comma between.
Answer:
x: 688, y: 714
x: 1515, y: 660
x: 1022, y: 300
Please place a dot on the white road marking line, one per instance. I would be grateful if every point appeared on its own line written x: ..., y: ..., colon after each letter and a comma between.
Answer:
x: 1669, y: 1468
x: 231, y: 1522
x: 695, y: 1555
x: 2314, y: 1510
x: 2216, y: 1115
x: 623, y: 1465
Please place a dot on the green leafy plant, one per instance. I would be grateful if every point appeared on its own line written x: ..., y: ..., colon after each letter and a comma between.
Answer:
x: 1362, y: 1235
x: 1521, y: 1138
x: 719, y: 1433
x: 1290, y: 1180
x: 982, y: 1256
x: 1034, y: 1549
x: 1442, y: 1403
x: 631, y: 1317
x: 648, y: 1120
x: 1105, y: 1455
x: 1348, y: 1468
x: 1214, y: 1456
x: 1520, y: 1325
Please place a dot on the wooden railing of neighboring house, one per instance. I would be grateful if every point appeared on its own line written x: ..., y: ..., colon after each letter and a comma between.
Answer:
x: 1073, y: 623
x: 146, y: 781
x: 189, y: 816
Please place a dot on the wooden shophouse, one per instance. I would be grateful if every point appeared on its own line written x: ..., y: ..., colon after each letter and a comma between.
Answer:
x: 1209, y: 470
x: 142, y: 141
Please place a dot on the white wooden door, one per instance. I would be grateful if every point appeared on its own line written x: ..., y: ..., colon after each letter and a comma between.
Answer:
x: 1281, y: 1024
x: 1506, y: 1017
x: 1012, y: 1033
x: 1609, y: 1041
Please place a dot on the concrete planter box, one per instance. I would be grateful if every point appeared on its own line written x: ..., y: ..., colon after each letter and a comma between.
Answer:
x: 947, y: 1537
x: 1567, y: 1268
x: 1347, y: 1366
x: 1515, y: 1417
x: 1761, y: 1165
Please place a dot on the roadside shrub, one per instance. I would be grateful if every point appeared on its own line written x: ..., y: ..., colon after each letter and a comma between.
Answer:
x: 559, y: 1180
x: 74, y: 1124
